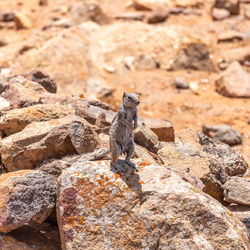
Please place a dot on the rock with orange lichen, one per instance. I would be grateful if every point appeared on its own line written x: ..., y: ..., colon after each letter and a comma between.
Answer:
x: 50, y: 139
x: 26, y: 196
x: 100, y: 208
x: 16, y: 120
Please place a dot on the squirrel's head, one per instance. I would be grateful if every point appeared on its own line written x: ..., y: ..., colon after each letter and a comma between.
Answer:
x: 130, y: 100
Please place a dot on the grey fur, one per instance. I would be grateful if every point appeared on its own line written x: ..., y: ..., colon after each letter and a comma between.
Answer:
x: 120, y: 135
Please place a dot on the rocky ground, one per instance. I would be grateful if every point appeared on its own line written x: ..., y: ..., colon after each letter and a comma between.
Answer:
x: 63, y: 63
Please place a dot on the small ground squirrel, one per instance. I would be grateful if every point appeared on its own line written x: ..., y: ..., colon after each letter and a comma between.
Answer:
x: 120, y: 135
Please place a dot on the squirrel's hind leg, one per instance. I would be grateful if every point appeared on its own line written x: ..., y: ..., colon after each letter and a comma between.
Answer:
x: 115, y: 152
x: 130, y: 152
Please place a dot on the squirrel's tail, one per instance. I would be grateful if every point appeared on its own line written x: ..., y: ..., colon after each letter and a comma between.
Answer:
x: 95, y: 155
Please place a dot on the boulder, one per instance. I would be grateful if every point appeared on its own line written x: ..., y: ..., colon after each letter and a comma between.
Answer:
x: 237, y: 190
x: 4, y: 104
x: 242, y: 213
x: 177, y: 155
x: 128, y: 16
x: 43, y: 79
x: 193, y: 56
x: 145, y: 137
x: 240, y: 54
x: 142, y: 153
x: 233, y: 6
x: 26, y: 196
x: 230, y: 36
x: 43, y: 140
x: 91, y: 112
x: 7, y: 16
x: 53, y: 166
x: 234, y: 82
x: 157, y: 16
x: 16, y: 120
x: 150, y: 47
x: 209, y: 160
x: 98, y: 88
x: 181, y: 83
x: 147, y: 210
x: 83, y: 11
x: 49, y: 53
x: 161, y: 127
x: 142, y: 62
x: 246, y: 10
x: 35, y: 236
x: 21, y: 92
x: 166, y: 4
x: 23, y: 20
x: 226, y: 161
x: 220, y: 14
x: 223, y: 133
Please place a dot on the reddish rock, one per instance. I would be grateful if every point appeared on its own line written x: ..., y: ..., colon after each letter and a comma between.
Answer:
x: 43, y: 236
x: 16, y: 120
x: 219, y: 14
x: 7, y: 16
x: 4, y: 104
x: 43, y: 140
x: 83, y: 11
x: 223, y: 133
x: 162, y: 128
x: 194, y: 56
x: 237, y: 190
x: 22, y: 93
x: 25, y: 196
x: 233, y: 6
x: 157, y: 16
x: 43, y: 79
x: 145, y: 137
x: 23, y: 20
x: 234, y: 82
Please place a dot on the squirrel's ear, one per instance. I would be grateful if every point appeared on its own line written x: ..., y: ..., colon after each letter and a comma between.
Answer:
x: 124, y: 94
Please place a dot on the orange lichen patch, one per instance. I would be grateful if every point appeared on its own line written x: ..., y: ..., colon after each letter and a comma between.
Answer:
x: 82, y: 96
x: 143, y: 164
x: 100, y: 182
x: 117, y: 176
x: 106, y: 178
x: 71, y: 221
x: 81, y: 220
x: 110, y: 184
x: 13, y: 174
x: 6, y: 238
x: 141, y: 182
x: 183, y: 203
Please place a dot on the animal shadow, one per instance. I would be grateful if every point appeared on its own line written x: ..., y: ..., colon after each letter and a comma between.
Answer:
x: 128, y: 175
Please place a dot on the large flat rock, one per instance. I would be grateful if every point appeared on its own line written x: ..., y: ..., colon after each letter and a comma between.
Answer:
x: 99, y: 208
